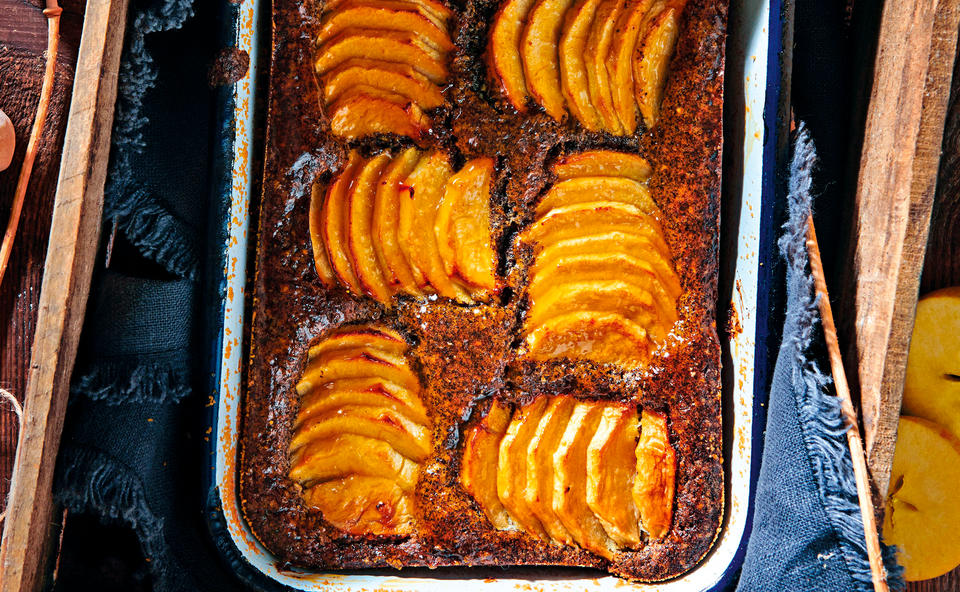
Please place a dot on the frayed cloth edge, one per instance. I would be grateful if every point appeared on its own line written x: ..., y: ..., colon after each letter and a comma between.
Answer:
x: 115, y: 383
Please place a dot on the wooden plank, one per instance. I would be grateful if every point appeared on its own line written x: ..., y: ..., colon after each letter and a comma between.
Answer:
x: 69, y: 263
x: 895, y: 188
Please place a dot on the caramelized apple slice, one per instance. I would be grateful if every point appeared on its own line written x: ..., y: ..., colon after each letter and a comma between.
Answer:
x: 569, y: 485
x: 436, y: 11
x: 478, y: 472
x: 333, y: 215
x: 383, y: 17
x: 613, y: 296
x: 463, y: 225
x: 386, y: 219
x: 410, y: 439
x: 573, y: 71
x: 586, y: 189
x: 354, y: 336
x: 540, y: 475
x: 611, y: 467
x: 350, y: 454
x: 359, y: 221
x: 583, y: 219
x: 365, y: 111
x: 427, y: 184
x: 538, y: 50
x: 603, y: 163
x: 503, y: 51
x: 320, y: 259
x: 604, y: 338
x: 654, y: 486
x: 359, y: 364
x: 401, y: 79
x: 629, y: 27
x: 363, y: 505
x: 651, y: 63
x: 375, y: 392
x: 598, y: 46
x: 512, y: 466
x: 404, y: 47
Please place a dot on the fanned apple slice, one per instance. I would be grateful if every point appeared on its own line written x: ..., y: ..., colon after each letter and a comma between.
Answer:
x: 512, y: 466
x: 359, y: 364
x: 503, y: 51
x: 538, y: 50
x: 463, y: 225
x: 649, y: 249
x: 611, y: 468
x: 587, y: 189
x: 603, y: 163
x: 376, y: 44
x: 386, y: 220
x: 598, y: 47
x: 478, y: 472
x: 410, y: 439
x: 427, y: 184
x: 573, y: 70
x: 655, y: 482
x: 359, y: 223
x: 354, y: 336
x: 607, y: 296
x: 436, y: 11
x: 540, y: 475
x: 320, y: 259
x: 586, y: 218
x: 333, y: 216
x: 395, y: 77
x: 629, y: 28
x: 375, y: 392
x: 569, y: 485
x: 366, y: 110
x: 651, y: 63
x: 385, y: 18
x: 605, y: 338
x: 362, y: 505
x: 350, y: 454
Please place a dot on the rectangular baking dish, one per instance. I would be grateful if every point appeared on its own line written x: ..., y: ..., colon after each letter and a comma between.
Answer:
x: 747, y: 262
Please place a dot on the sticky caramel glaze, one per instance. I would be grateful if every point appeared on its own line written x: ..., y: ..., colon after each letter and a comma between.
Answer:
x: 463, y: 357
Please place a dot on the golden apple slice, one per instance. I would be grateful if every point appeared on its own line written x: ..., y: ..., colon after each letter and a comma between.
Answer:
x: 512, y: 466
x: 573, y: 70
x: 350, y: 454
x: 386, y: 220
x: 604, y: 338
x: 584, y: 219
x: 478, y: 471
x: 320, y: 259
x: 503, y: 51
x: 611, y: 467
x: 540, y: 474
x: 333, y: 215
x: 598, y: 47
x: 359, y: 223
x: 408, y: 19
x: 586, y: 189
x: 363, y: 505
x: 436, y: 11
x: 374, y: 392
x: 394, y: 77
x: 606, y: 296
x: 651, y: 63
x: 426, y: 184
x: 410, y: 439
x: 922, y: 515
x: 655, y: 482
x: 462, y: 226
x: 538, y: 50
x: 932, y: 388
x: 365, y: 111
x: 404, y: 47
x: 374, y: 337
x: 629, y: 28
x: 603, y: 163
x: 358, y: 364
x: 569, y: 484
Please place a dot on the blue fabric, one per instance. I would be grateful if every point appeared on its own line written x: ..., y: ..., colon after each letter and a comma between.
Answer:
x: 807, y: 530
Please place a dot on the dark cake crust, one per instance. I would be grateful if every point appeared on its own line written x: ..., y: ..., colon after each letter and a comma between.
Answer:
x: 466, y: 354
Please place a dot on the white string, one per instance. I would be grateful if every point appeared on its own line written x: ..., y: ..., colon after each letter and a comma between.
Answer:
x: 8, y: 396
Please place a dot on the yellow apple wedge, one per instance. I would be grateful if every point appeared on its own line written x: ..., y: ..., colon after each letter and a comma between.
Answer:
x: 932, y: 386
x: 503, y: 51
x: 378, y: 44
x: 320, y: 259
x: 586, y: 189
x: 655, y: 483
x: 605, y: 338
x: 409, y: 438
x: 358, y: 364
x: 651, y: 63
x: 353, y: 336
x: 436, y: 11
x: 604, y: 296
x: 603, y: 163
x: 395, y: 77
x: 583, y: 219
x: 598, y: 46
x: 512, y: 466
x: 374, y: 392
x: 540, y: 473
x: 611, y: 467
x: 363, y: 505
x: 573, y: 70
x: 620, y: 60
x: 386, y: 220
x: 383, y: 17
x: 538, y: 50
x: 478, y: 471
x: 359, y: 222
x: 922, y: 514
x: 367, y: 110
x: 350, y: 454
x: 334, y: 223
